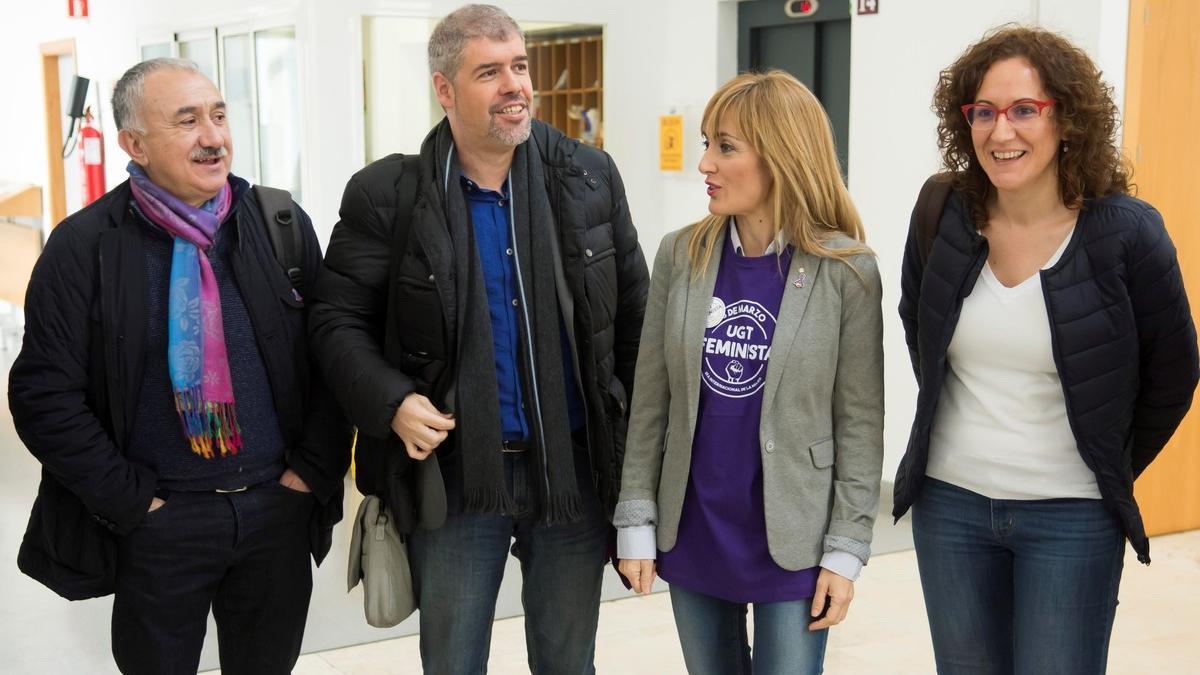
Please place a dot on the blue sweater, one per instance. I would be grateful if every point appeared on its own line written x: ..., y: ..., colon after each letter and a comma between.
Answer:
x: 157, y: 439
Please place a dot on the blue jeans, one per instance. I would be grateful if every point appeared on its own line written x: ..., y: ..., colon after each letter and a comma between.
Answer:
x: 1017, y: 586
x: 712, y: 633
x: 457, y: 570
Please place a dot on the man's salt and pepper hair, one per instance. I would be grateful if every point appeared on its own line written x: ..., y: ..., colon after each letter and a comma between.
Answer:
x: 452, y: 34
x: 127, y: 94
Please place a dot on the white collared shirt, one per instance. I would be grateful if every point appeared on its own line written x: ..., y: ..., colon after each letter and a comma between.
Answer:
x: 774, y: 247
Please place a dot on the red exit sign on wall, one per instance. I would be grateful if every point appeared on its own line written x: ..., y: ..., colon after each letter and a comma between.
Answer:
x: 868, y: 6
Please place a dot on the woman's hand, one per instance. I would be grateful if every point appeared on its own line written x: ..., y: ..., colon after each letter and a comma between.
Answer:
x: 640, y: 574
x: 836, y: 590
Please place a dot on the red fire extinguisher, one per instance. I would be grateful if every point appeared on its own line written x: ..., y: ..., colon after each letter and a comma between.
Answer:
x: 91, y: 159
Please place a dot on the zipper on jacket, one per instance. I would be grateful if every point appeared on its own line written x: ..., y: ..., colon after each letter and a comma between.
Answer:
x: 1057, y: 353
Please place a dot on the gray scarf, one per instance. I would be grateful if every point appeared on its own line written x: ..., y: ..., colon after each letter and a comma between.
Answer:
x: 542, y: 379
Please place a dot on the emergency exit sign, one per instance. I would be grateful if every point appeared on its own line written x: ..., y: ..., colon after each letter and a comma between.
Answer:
x: 868, y: 6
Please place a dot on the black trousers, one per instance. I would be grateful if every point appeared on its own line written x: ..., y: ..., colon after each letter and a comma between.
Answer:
x: 245, y: 555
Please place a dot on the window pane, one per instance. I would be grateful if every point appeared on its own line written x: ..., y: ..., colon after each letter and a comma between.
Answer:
x: 202, y: 54
x: 239, y: 100
x: 156, y: 51
x: 278, y: 109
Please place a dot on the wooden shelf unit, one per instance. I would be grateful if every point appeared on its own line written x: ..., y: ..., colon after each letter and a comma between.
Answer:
x: 582, y: 58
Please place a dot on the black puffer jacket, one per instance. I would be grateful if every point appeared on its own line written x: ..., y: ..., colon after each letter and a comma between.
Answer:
x: 383, y: 324
x: 74, y: 388
x: 1122, y: 333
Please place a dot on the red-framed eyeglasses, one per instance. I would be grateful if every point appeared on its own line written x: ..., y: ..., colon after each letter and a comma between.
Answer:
x: 983, y: 116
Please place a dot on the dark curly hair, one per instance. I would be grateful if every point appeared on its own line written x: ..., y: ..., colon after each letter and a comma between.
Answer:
x: 1084, y: 111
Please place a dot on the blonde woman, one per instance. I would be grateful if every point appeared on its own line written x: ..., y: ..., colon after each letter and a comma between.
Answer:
x: 754, y: 452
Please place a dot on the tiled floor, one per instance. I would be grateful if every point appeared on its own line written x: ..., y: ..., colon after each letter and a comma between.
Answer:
x: 1157, y: 627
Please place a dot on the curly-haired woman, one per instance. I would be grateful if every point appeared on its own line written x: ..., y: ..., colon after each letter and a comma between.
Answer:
x: 1055, y: 353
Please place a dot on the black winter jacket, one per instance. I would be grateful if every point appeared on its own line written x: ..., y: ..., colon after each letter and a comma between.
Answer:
x: 73, y: 390
x: 384, y: 319
x: 1122, y: 332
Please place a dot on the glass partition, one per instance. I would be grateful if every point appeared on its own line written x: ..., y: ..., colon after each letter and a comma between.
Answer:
x: 278, y: 89
x: 238, y: 81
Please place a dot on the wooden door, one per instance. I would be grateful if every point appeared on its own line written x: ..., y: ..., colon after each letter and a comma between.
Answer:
x: 56, y: 176
x: 1162, y: 137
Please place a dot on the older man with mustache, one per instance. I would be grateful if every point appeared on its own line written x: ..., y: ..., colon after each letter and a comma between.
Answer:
x: 479, y: 312
x: 192, y: 460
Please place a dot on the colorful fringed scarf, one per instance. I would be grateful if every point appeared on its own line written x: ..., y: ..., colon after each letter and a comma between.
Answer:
x: 196, y: 354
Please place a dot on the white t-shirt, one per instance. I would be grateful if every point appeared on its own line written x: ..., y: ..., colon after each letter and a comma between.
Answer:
x: 1001, y: 427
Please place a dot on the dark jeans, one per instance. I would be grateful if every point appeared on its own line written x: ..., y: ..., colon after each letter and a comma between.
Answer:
x: 1017, y: 586
x: 457, y: 570
x: 244, y: 554
x: 712, y: 633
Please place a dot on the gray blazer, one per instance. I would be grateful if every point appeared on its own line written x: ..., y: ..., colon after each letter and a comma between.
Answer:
x: 821, y: 430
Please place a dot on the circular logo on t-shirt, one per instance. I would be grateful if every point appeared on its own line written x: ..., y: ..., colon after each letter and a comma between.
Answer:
x: 736, y: 347
x: 716, y: 312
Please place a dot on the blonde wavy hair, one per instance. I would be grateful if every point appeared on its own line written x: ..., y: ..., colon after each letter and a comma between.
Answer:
x: 786, y: 125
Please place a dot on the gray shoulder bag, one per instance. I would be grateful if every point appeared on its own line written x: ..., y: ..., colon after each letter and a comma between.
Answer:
x: 379, y: 557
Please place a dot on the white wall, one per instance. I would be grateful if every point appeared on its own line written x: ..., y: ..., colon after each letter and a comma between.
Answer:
x: 1100, y: 27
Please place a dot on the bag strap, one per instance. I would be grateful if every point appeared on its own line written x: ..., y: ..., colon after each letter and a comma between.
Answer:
x: 282, y: 227
x: 930, y: 203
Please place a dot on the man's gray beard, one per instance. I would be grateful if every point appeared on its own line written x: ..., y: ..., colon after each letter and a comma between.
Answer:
x: 514, y: 137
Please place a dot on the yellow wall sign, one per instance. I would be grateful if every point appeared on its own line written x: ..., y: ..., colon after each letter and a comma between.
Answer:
x: 670, y: 143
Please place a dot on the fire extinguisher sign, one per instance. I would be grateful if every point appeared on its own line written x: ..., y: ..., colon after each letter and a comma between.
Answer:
x: 868, y: 6
x: 92, y: 159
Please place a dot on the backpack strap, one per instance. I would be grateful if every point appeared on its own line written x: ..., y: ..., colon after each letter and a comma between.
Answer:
x: 930, y: 203
x: 284, y: 230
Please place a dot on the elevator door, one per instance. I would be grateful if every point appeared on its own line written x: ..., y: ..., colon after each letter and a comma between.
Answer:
x: 815, y: 49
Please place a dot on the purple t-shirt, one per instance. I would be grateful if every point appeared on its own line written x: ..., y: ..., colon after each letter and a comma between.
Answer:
x: 721, y: 549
